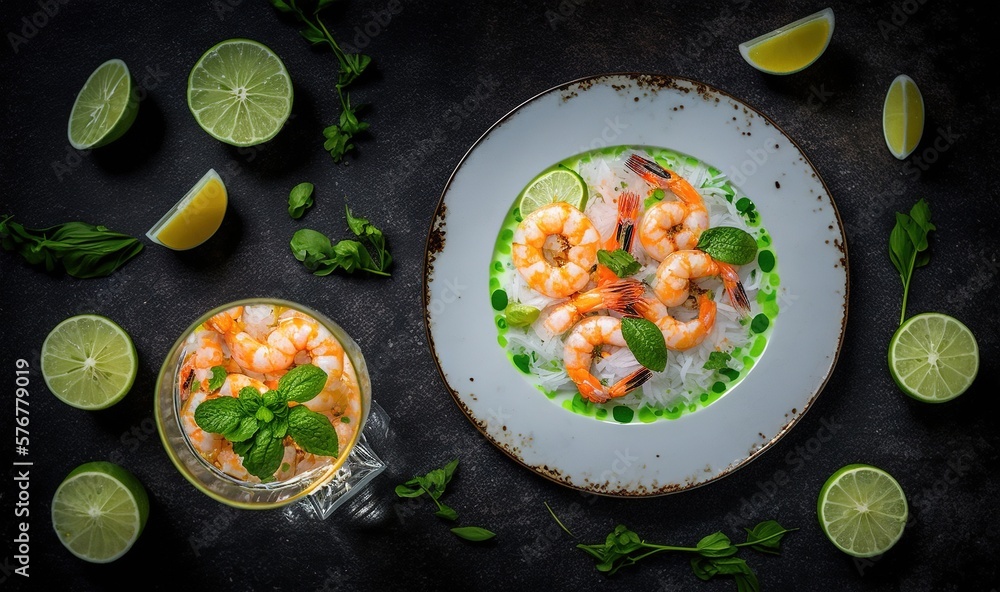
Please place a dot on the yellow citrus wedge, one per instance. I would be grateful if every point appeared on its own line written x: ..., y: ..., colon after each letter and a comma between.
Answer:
x: 790, y: 48
x: 195, y: 218
x: 903, y: 116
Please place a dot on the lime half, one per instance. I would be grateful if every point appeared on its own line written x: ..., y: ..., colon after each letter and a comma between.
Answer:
x: 105, y: 107
x: 933, y: 357
x: 551, y: 186
x: 862, y: 510
x: 99, y: 511
x: 240, y: 93
x: 89, y: 362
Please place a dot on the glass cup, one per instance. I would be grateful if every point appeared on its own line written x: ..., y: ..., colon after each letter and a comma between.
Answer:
x: 327, y: 487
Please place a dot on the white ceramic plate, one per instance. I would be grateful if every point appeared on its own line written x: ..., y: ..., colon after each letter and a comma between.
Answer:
x: 665, y: 456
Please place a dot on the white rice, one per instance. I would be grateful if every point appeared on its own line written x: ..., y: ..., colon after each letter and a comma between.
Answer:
x: 685, y: 377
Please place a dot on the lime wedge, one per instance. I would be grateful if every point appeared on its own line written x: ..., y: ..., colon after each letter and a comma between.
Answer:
x: 862, y: 510
x: 105, y: 107
x: 903, y: 116
x: 551, y: 186
x: 790, y: 48
x: 240, y: 93
x: 933, y: 357
x: 89, y: 362
x: 99, y: 511
x: 195, y: 217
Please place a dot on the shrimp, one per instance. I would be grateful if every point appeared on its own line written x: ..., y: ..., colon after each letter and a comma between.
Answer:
x: 279, y: 350
x: 615, y: 295
x: 680, y: 335
x: 669, y: 226
x: 197, y: 365
x: 675, y: 272
x: 236, y: 382
x: 341, y: 403
x: 578, y: 354
x: 628, y: 213
x: 568, y: 270
x: 207, y: 443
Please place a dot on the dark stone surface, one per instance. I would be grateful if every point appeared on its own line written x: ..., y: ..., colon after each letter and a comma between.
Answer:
x: 429, y: 58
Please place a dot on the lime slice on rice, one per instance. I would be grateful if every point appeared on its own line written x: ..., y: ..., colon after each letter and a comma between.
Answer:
x: 933, y: 357
x: 862, y: 510
x: 559, y: 184
x: 105, y: 107
x: 240, y: 92
x: 89, y: 361
x: 99, y: 511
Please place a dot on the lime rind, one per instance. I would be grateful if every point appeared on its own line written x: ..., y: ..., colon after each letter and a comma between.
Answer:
x: 746, y: 47
x: 99, y: 510
x: 862, y: 510
x: 933, y: 357
x: 105, y: 108
x: 89, y: 362
x: 240, y: 92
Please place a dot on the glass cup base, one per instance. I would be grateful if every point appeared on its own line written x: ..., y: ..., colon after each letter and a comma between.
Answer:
x: 363, y: 464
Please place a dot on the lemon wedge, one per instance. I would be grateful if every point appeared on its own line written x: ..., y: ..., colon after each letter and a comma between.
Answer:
x: 790, y: 48
x: 195, y: 218
x: 903, y: 116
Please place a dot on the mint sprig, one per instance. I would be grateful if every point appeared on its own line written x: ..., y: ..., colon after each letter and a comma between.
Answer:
x: 714, y: 555
x: 257, y: 423
x: 433, y: 484
x: 908, y: 245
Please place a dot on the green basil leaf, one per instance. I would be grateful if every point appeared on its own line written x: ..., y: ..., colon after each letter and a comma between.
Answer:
x: 716, y: 545
x: 300, y: 199
x: 766, y: 536
x: 312, y: 431
x: 409, y: 490
x: 473, y: 533
x: 446, y: 513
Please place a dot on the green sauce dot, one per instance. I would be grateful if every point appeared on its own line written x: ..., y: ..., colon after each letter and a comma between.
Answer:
x: 502, y: 340
x: 601, y: 413
x: 729, y: 373
x: 494, y: 283
x: 646, y: 415
x: 523, y: 362
x: 499, y: 299
x: 758, y: 346
x: 622, y: 414
x: 704, y: 397
x: 760, y: 323
x: 501, y: 322
x: 692, y: 407
x: 719, y: 387
x: 765, y: 259
x: 517, y: 215
x: 744, y: 204
x: 747, y: 363
x: 506, y: 234
x: 498, y: 266
x: 503, y: 248
x: 581, y: 406
x: 773, y: 280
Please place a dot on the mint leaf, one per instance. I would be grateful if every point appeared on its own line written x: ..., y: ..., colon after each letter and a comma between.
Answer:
x: 908, y: 245
x: 218, y: 378
x: 446, y: 513
x: 250, y: 400
x: 219, y: 415
x: 300, y: 199
x: 312, y: 431
x: 621, y: 262
x: 246, y: 429
x: 473, y: 533
x: 728, y: 244
x: 409, y: 489
x: 302, y: 383
x: 313, y: 249
x: 264, y: 457
x: 646, y: 342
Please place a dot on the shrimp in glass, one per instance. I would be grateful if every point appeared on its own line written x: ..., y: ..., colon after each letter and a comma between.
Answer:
x: 583, y: 342
x: 675, y: 272
x: 555, y: 248
x: 669, y: 226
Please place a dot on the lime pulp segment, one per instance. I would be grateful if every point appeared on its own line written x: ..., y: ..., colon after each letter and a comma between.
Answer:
x: 240, y: 92
x: 105, y: 107
x: 89, y: 362
x: 552, y: 186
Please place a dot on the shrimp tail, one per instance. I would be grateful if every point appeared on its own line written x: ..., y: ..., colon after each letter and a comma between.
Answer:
x: 734, y: 288
x: 658, y: 176
x: 620, y: 296
x: 630, y: 382
x: 628, y: 216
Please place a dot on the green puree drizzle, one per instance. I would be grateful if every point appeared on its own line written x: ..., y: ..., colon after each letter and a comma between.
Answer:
x: 760, y: 325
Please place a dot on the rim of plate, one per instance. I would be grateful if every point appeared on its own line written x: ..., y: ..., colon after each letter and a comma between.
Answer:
x: 435, y: 244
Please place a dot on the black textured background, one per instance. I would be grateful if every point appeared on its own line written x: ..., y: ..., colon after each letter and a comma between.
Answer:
x: 428, y: 58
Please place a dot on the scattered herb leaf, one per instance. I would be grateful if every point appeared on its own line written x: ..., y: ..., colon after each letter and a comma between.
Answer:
x: 717, y: 360
x: 473, y: 533
x: 322, y: 257
x: 218, y: 378
x: 83, y: 250
x: 300, y: 199
x: 558, y: 521
x: 908, y: 245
